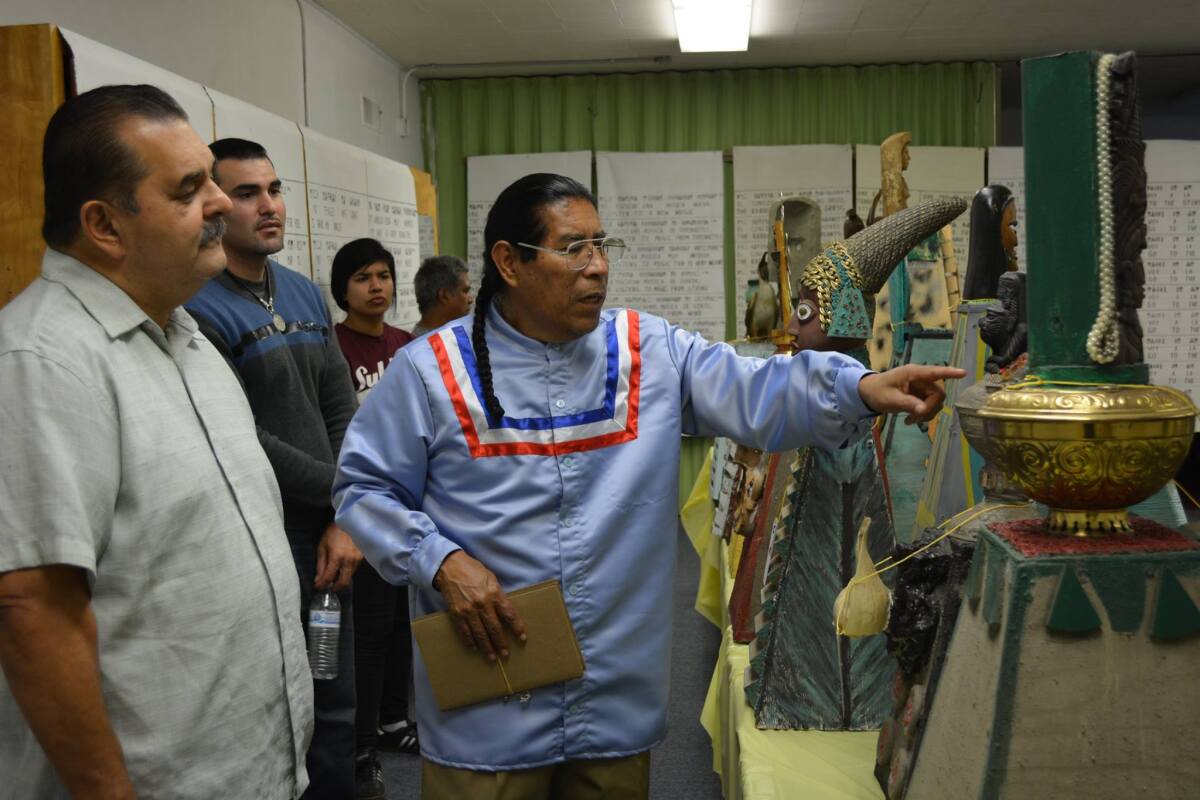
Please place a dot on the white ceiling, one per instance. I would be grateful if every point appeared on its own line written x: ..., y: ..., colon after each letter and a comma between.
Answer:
x: 783, y: 33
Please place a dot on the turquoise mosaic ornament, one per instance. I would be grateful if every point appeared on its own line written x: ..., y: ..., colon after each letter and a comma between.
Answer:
x: 849, y: 273
x: 847, y: 306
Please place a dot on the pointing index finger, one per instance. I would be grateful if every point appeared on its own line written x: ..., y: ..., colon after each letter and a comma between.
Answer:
x: 939, y: 373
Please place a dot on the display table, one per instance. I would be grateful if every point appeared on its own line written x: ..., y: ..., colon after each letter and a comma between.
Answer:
x: 754, y: 764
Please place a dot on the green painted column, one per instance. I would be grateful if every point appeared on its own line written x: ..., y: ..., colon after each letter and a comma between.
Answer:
x: 1063, y: 228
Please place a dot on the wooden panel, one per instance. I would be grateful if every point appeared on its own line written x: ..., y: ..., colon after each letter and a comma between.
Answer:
x: 427, y: 217
x: 31, y: 88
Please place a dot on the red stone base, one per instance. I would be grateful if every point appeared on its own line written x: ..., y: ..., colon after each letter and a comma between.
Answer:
x: 1031, y: 538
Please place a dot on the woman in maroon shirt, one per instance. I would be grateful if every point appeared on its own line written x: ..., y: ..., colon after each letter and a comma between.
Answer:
x: 363, y: 286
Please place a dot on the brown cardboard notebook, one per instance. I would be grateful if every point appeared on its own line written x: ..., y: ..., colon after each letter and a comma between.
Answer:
x: 461, y: 676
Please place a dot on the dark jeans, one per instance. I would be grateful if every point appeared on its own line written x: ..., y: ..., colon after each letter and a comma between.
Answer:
x: 330, y: 759
x: 382, y: 653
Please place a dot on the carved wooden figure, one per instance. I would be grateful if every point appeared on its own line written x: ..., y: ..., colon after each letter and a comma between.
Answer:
x: 1005, y: 329
x: 893, y: 160
x: 802, y: 231
x: 802, y: 675
x: 925, y: 292
x: 950, y: 483
x: 762, y: 311
x: 745, y: 600
x: 993, y: 241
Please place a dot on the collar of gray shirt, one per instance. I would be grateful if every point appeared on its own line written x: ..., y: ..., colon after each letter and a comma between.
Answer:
x: 110, y: 306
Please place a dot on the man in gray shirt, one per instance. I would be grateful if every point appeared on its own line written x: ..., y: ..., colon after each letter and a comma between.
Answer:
x: 148, y: 630
x: 443, y: 290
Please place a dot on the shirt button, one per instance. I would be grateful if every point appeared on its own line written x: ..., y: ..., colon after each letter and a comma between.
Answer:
x: 559, y: 404
x: 573, y: 589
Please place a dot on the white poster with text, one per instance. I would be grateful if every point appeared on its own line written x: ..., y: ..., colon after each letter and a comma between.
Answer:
x: 670, y: 210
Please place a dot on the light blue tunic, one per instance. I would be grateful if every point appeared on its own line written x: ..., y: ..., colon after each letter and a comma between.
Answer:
x: 578, y: 483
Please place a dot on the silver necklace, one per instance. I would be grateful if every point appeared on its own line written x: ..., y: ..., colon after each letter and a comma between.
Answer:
x: 268, y: 302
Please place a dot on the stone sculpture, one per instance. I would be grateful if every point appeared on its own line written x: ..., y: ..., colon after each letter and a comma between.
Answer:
x: 1006, y: 329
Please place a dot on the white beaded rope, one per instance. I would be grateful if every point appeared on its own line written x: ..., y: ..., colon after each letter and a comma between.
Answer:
x: 1104, y: 338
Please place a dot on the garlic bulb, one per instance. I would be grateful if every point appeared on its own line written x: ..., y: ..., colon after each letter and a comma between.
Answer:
x: 861, y: 608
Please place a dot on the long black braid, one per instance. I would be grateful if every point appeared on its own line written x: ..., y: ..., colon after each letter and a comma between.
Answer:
x: 483, y: 359
x: 515, y: 217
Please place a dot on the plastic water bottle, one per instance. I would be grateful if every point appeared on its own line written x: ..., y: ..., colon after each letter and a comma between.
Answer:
x: 324, y: 625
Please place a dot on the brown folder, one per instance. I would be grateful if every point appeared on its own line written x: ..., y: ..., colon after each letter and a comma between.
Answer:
x: 462, y: 677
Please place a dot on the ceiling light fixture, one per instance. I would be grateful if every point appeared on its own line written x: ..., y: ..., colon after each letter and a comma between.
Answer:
x: 710, y: 26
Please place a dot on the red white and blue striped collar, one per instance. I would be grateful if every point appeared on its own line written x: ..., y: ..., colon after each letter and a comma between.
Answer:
x: 611, y: 423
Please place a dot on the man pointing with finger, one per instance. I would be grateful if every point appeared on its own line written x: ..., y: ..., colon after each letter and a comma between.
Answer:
x: 539, y: 439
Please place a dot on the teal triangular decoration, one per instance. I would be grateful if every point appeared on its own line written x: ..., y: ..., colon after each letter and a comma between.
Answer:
x: 848, y: 314
x: 1122, y: 589
x: 752, y: 689
x: 763, y: 634
x: 993, y: 589
x: 1175, y: 616
x: 1072, y: 611
x: 974, y: 580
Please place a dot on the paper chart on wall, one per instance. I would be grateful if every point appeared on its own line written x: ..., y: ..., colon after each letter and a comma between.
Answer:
x: 487, y: 176
x: 281, y: 139
x: 820, y: 172
x: 337, y: 201
x: 392, y: 219
x: 99, y: 65
x: 1171, y: 310
x: 670, y: 210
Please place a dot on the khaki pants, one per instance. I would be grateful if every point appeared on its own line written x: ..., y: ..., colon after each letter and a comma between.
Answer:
x: 625, y: 778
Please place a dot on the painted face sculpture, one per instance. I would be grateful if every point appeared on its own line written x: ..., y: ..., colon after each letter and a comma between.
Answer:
x: 993, y: 241
x: 848, y: 273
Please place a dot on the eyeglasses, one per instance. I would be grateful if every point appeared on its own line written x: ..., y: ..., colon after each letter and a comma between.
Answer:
x: 579, y: 254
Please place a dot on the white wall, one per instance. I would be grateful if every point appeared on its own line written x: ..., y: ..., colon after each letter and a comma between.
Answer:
x: 253, y: 50
x: 342, y: 67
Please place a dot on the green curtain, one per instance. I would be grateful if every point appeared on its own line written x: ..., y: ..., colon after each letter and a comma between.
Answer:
x: 942, y: 104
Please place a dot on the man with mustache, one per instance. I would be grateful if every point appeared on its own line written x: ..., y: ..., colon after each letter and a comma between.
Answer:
x: 148, y: 637
x: 273, y: 326
x: 539, y: 439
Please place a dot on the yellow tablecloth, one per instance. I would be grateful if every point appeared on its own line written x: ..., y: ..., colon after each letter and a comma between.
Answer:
x: 754, y: 764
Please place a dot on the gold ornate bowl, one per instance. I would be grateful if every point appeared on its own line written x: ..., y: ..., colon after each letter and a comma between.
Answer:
x: 1086, y: 452
x: 967, y: 406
